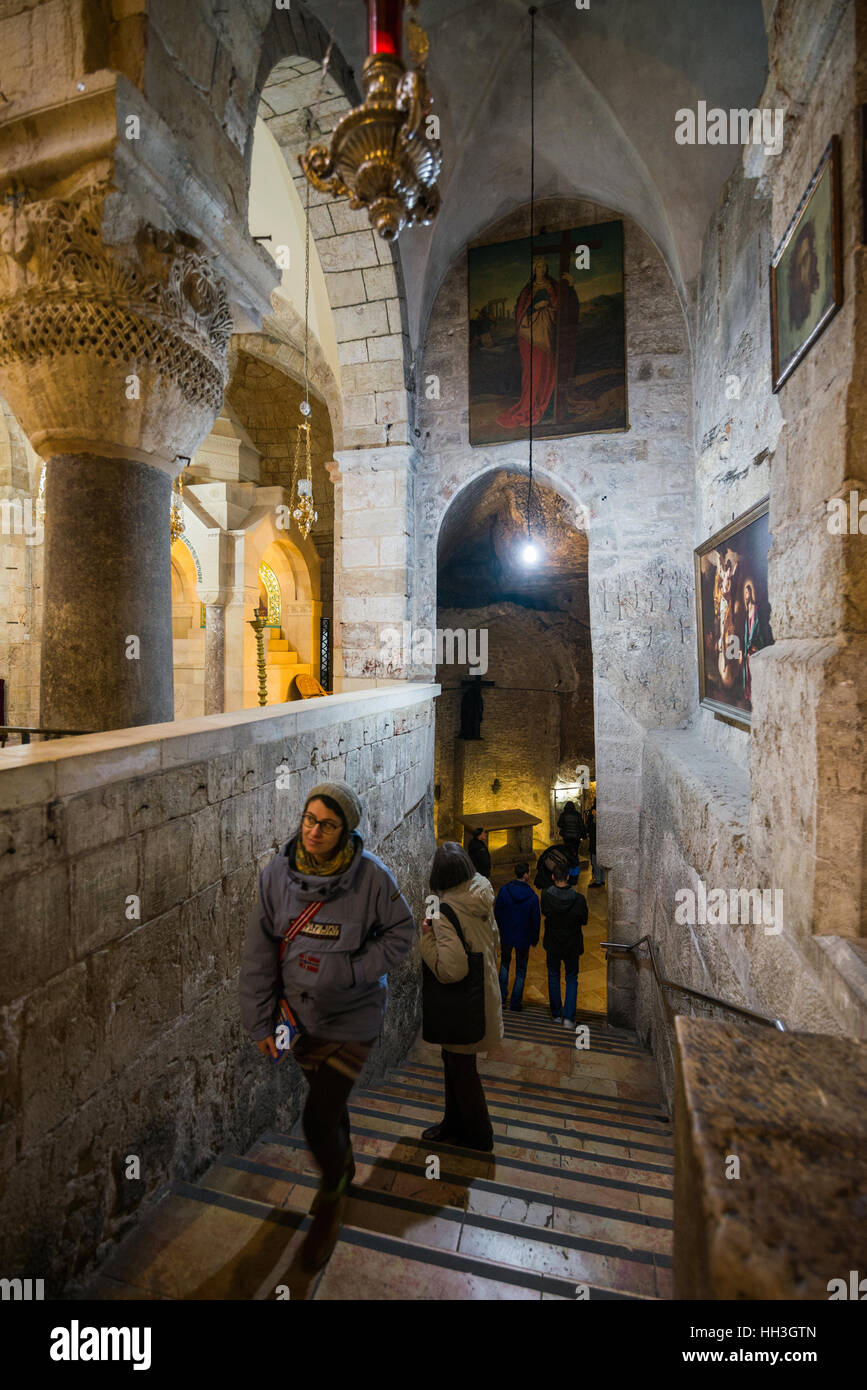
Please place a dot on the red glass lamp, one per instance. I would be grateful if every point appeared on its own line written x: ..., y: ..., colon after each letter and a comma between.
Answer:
x: 385, y: 154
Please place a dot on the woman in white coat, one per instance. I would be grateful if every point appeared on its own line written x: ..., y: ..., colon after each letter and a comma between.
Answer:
x: 454, y: 880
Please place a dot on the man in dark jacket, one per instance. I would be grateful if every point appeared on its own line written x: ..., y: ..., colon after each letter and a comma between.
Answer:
x: 571, y: 826
x: 518, y: 919
x: 565, y: 913
x: 478, y: 852
x: 544, y: 876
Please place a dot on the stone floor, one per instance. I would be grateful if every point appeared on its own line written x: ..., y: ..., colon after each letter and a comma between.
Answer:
x: 592, y: 974
x: 575, y: 1201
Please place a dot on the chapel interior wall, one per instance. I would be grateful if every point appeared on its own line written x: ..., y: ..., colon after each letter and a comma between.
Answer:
x: 781, y: 806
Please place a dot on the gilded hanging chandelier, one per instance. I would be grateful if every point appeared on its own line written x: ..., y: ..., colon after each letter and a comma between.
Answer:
x: 385, y: 154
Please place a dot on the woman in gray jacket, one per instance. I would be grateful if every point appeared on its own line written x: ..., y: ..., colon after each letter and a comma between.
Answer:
x: 333, y: 977
x: 455, y: 881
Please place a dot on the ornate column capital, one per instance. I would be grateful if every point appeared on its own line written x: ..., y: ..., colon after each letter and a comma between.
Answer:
x: 115, y: 350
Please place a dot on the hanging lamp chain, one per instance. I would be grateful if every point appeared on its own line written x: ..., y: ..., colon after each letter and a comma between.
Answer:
x: 532, y: 244
x: 306, y: 289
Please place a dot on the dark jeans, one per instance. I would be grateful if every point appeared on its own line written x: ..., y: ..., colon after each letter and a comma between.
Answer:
x: 521, y: 959
x: 569, y: 960
x: 466, y: 1113
x: 325, y: 1118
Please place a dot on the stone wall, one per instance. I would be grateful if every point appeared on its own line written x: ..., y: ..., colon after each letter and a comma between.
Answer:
x: 782, y: 806
x: 120, y: 1033
x: 538, y: 720
x: 632, y: 492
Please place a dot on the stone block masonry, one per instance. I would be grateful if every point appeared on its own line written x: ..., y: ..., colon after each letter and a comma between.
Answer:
x: 128, y: 870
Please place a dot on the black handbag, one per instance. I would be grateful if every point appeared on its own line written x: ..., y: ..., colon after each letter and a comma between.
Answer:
x: 454, y: 1013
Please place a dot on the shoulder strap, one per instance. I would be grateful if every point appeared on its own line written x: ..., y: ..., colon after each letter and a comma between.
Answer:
x: 451, y: 916
x: 299, y: 923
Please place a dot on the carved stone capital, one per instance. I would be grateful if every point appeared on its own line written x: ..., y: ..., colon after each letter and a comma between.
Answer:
x: 113, y: 350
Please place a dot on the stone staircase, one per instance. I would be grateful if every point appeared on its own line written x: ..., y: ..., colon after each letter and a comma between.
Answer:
x: 282, y: 665
x: 575, y: 1201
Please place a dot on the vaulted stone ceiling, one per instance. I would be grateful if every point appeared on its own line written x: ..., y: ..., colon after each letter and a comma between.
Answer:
x: 609, y: 80
x: 483, y: 533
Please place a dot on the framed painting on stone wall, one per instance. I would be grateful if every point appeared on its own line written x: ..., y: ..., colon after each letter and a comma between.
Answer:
x: 733, y: 612
x: 807, y: 269
x: 560, y: 303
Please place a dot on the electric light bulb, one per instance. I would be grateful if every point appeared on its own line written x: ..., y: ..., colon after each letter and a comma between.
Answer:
x: 530, y: 554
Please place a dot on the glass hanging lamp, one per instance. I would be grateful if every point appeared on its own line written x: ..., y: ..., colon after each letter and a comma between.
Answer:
x: 303, y: 511
x: 176, y: 520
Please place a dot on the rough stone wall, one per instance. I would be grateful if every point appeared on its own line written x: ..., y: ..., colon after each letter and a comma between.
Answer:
x: 147, y: 1054
x: 783, y: 805
x: 633, y: 493
x: 532, y: 732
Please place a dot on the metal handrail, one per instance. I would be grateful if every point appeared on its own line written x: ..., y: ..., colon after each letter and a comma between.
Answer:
x: 663, y: 982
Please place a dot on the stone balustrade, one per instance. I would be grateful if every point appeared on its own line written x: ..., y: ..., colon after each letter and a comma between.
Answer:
x: 128, y: 868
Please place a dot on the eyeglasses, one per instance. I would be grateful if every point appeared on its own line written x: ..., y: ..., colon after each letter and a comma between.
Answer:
x: 310, y: 823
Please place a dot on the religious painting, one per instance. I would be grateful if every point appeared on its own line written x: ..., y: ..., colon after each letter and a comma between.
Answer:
x: 733, y: 612
x: 807, y: 269
x: 558, y: 303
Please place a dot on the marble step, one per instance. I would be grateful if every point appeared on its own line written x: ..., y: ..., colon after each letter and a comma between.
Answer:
x: 565, y: 1089
x: 595, y: 1115
x: 427, y: 1108
x: 593, y: 1080
x: 275, y: 1165
x: 202, y: 1243
x: 429, y: 1226
x: 527, y: 1148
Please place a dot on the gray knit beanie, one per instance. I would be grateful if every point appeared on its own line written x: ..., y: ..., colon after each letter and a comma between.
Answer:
x: 342, y: 793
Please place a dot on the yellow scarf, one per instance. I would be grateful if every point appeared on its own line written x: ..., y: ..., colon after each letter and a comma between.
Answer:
x: 324, y: 868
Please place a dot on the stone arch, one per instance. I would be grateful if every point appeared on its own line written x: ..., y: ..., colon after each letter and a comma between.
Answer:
x: 636, y: 489
x: 296, y: 567
x: 188, y: 636
x: 484, y: 593
x: 362, y: 272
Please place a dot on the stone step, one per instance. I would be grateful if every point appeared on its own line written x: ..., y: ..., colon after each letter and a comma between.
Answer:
x: 530, y: 1235
x: 285, y: 1159
x: 594, y: 1080
x: 528, y: 1148
x: 427, y: 1109
x: 576, y: 1114
x: 202, y: 1243
x: 564, y: 1088
x: 282, y: 657
x: 429, y: 1223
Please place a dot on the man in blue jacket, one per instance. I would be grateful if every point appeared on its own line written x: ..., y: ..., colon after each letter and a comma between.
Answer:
x: 519, y: 919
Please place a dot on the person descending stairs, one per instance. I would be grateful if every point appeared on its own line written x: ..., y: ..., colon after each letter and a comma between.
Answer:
x: 574, y: 1202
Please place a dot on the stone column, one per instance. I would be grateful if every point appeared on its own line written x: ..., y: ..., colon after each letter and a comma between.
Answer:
x: 215, y: 657
x: 373, y: 573
x: 113, y: 359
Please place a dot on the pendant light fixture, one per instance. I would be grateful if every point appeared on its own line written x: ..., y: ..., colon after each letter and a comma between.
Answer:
x: 385, y: 154
x: 301, y: 491
x: 177, y: 525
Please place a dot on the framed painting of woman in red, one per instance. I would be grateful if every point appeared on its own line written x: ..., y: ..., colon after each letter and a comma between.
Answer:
x: 547, y: 335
